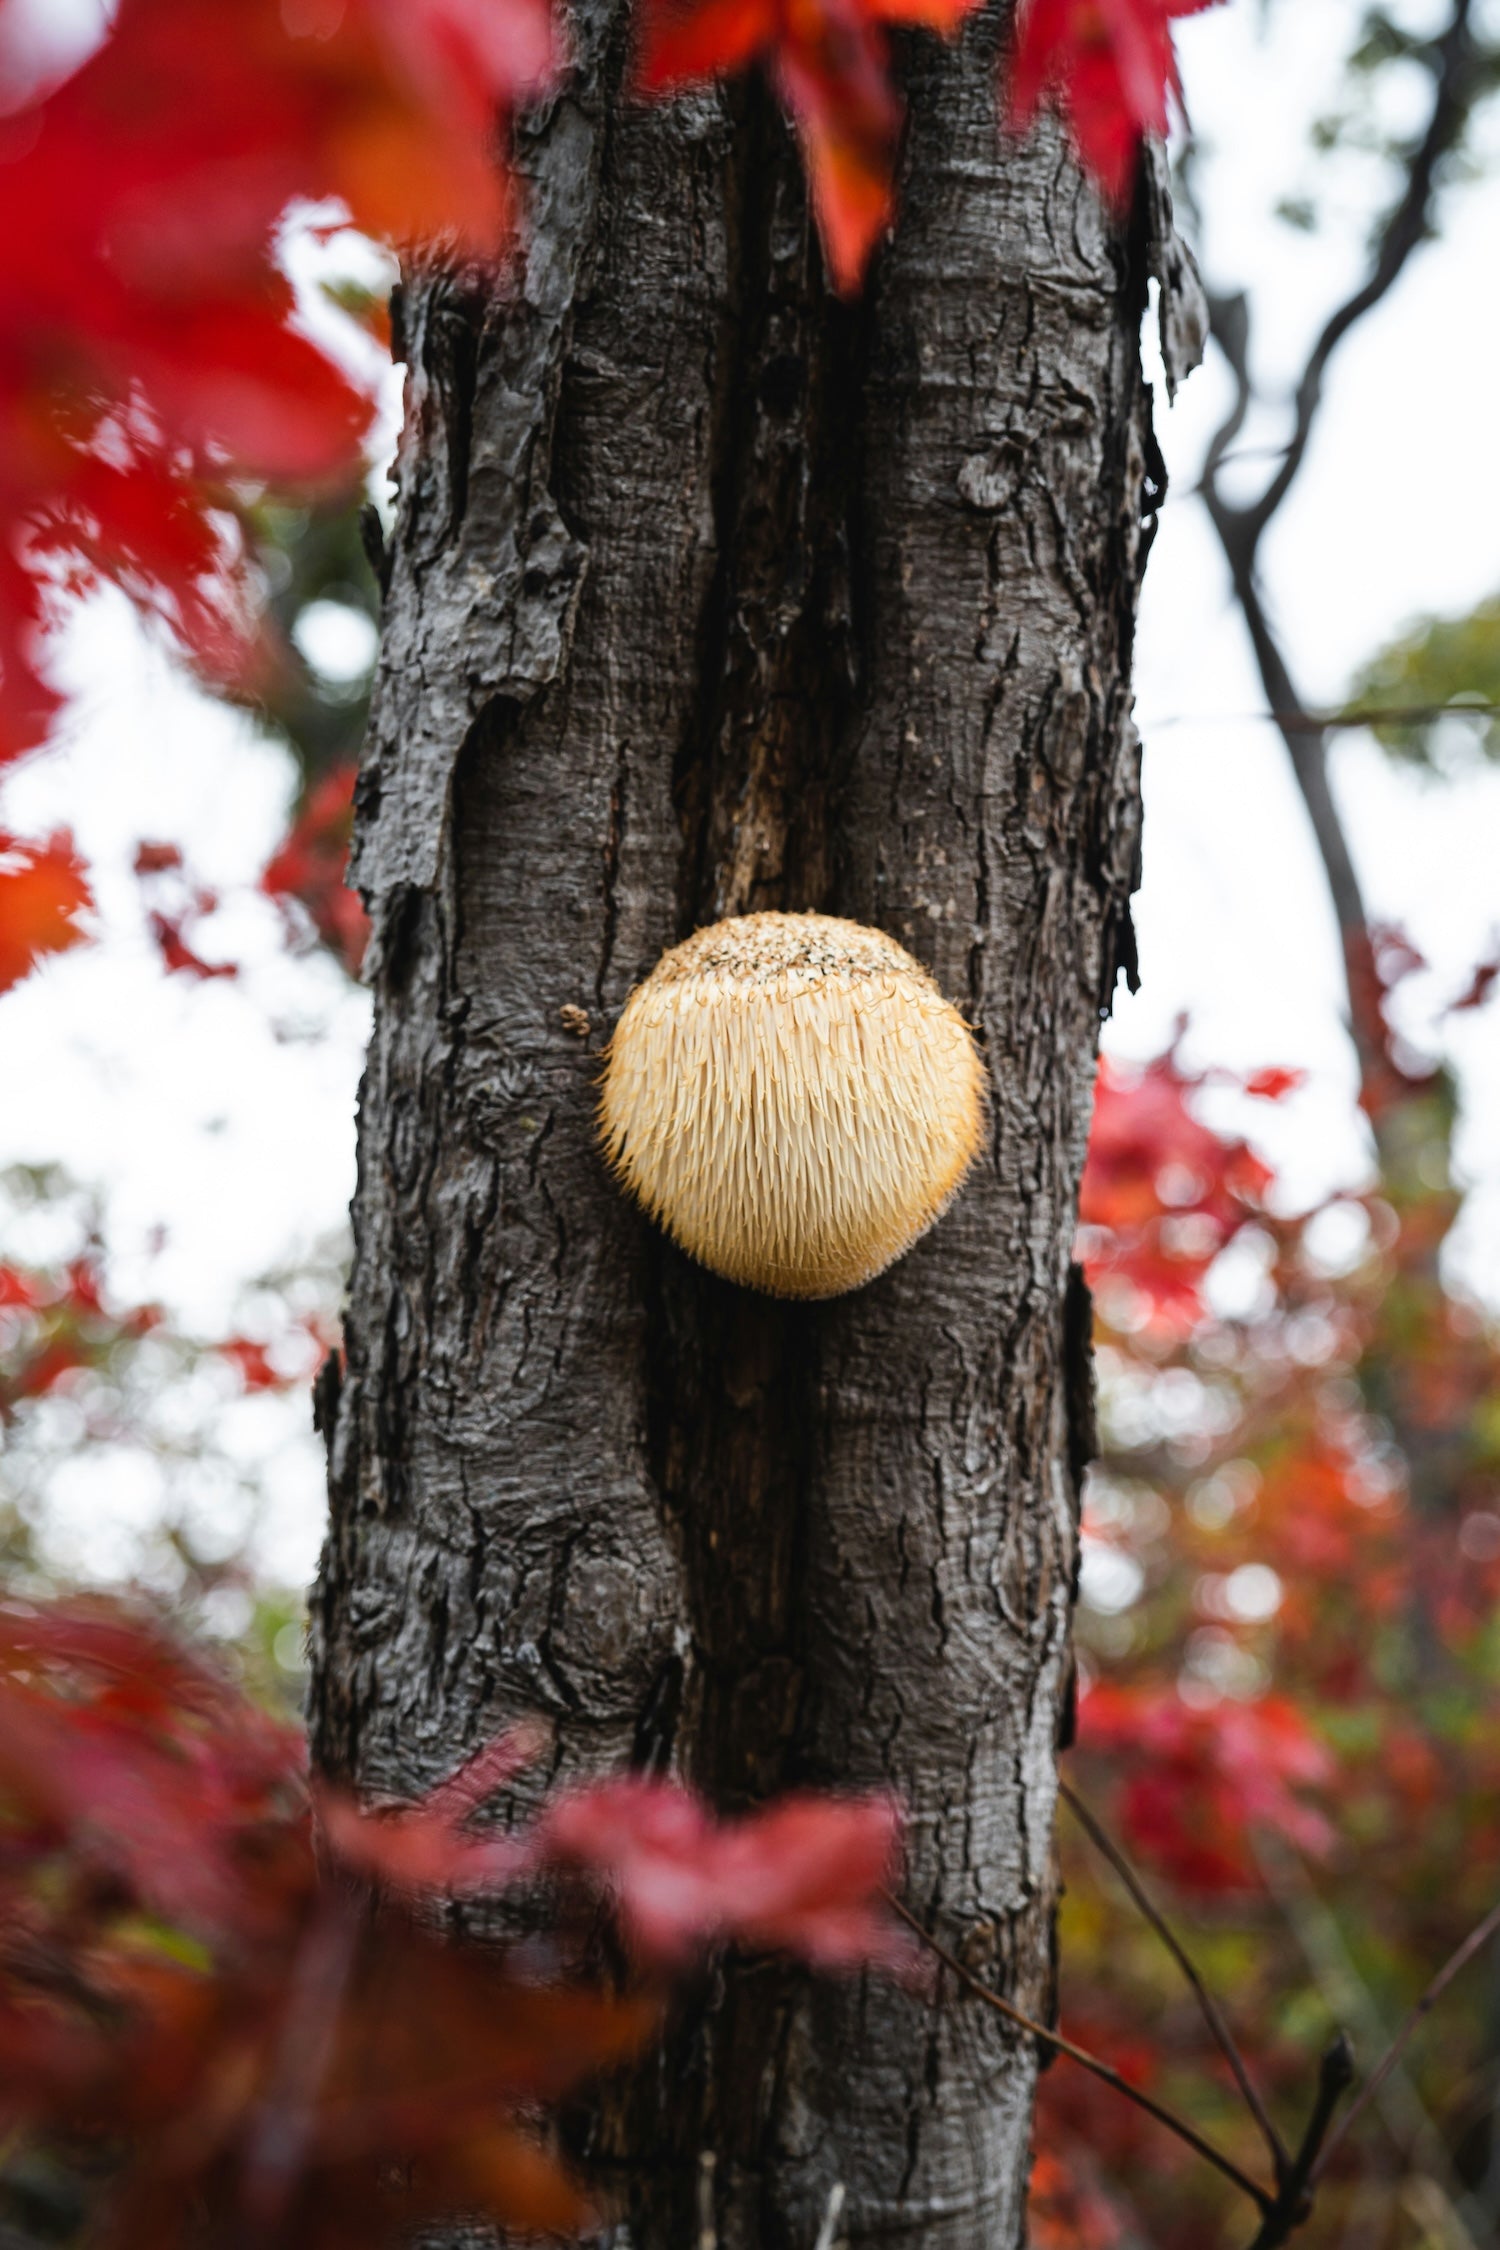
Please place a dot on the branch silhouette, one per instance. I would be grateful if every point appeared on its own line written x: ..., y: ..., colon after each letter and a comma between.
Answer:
x: 1209, y: 2008
x: 1261, y: 2197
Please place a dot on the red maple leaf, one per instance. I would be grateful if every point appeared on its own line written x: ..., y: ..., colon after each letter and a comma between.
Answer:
x: 251, y: 1362
x: 829, y: 63
x: 1479, y: 988
x: 310, y: 866
x: 804, y: 1876
x: 42, y: 893
x: 178, y: 956
x: 1275, y: 1084
x: 1109, y: 66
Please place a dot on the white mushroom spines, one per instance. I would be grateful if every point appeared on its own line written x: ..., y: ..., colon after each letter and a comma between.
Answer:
x: 793, y: 1099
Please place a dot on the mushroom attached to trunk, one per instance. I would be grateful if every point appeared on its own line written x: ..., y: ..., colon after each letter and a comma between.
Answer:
x: 793, y: 1099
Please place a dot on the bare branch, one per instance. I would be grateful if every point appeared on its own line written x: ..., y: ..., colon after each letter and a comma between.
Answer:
x: 1458, y: 60
x: 1294, y: 2200
x: 1307, y: 749
x: 1179, y: 2125
x: 1315, y: 1929
x: 1324, y: 722
x: 833, y: 2211
x: 1456, y: 1962
x: 1229, y: 319
x: 1208, y: 2006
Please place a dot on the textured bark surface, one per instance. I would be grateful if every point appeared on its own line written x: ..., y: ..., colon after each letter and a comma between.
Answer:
x: 707, y: 594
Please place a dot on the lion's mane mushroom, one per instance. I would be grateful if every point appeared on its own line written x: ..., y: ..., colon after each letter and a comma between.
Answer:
x: 793, y: 1099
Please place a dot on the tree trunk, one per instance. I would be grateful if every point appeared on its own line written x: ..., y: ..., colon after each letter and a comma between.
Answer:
x: 707, y: 594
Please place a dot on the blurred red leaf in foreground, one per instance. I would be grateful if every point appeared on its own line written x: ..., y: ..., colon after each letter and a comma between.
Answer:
x: 260, y: 2050
x: 1109, y: 66
x: 830, y: 65
x: 149, y: 365
x: 803, y: 1877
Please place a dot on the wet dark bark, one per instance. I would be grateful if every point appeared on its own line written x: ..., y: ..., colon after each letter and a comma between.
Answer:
x: 706, y: 594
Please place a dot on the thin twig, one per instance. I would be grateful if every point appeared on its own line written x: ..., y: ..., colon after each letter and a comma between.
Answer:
x: 1455, y: 1962
x: 833, y: 2211
x: 1264, y: 2201
x: 285, y: 2119
x: 1350, y: 2002
x: 1457, y: 59
x: 1457, y: 79
x: 1293, y: 2202
x: 1208, y: 2006
x: 708, y: 2225
x: 1324, y: 722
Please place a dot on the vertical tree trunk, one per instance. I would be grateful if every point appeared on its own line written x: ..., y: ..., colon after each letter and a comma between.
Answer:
x: 708, y: 594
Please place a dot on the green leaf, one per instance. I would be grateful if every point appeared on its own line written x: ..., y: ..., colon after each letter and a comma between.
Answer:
x: 1443, y: 668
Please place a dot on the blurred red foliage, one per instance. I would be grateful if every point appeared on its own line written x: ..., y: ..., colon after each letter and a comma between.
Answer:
x: 1195, y: 1783
x: 1162, y: 1195
x: 53, y: 1323
x: 804, y: 1876
x: 1106, y: 64
x: 241, y: 2044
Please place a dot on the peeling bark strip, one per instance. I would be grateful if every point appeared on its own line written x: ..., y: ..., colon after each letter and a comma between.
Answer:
x: 710, y: 594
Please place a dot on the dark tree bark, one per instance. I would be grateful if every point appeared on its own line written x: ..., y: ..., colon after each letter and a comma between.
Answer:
x: 708, y: 593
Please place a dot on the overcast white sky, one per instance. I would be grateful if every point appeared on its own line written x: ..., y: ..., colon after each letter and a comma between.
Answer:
x: 217, y: 1119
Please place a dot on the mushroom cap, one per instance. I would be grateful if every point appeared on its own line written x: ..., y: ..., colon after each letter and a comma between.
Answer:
x: 793, y: 1099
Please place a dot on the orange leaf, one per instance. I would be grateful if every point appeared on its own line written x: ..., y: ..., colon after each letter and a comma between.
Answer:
x: 42, y: 892
x: 829, y: 64
x: 511, y: 2177
x: 1108, y: 66
x: 697, y: 39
